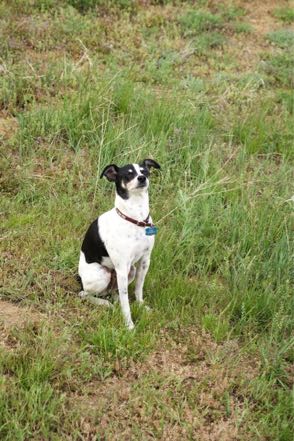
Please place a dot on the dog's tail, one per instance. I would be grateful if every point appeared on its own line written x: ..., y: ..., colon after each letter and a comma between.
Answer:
x: 79, y: 280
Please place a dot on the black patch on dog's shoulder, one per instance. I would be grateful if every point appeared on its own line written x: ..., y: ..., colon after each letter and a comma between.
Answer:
x: 93, y: 247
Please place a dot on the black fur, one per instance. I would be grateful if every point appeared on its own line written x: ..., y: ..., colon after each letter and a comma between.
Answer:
x: 93, y: 247
x: 150, y: 163
x: 123, y: 175
x: 120, y: 175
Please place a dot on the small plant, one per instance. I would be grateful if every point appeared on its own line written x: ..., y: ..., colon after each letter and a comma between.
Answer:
x: 219, y: 328
x: 232, y: 13
x: 280, y: 69
x: 209, y: 40
x: 194, y: 22
x: 85, y: 5
x: 287, y: 99
x: 283, y: 38
x: 242, y: 28
x: 285, y: 14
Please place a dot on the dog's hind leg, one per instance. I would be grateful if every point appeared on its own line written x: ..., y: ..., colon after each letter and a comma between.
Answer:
x: 95, y: 300
x: 95, y: 280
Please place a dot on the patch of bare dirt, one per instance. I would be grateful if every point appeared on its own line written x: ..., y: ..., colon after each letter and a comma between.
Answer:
x: 250, y: 47
x: 14, y: 315
x: 11, y: 316
x: 260, y: 14
x: 188, y: 387
x: 8, y: 127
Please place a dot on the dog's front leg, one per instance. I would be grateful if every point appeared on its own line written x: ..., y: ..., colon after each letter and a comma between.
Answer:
x: 122, y: 282
x: 141, y: 274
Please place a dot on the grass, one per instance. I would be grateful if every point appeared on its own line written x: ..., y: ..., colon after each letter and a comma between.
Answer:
x: 209, y: 41
x: 285, y: 14
x: 279, y: 68
x: 84, y: 84
x: 283, y: 38
x: 241, y: 27
x: 198, y: 21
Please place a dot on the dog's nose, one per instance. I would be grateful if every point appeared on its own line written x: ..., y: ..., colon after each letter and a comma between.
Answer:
x: 142, y: 178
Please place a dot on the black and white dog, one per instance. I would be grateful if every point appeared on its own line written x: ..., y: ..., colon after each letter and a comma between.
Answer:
x: 120, y: 238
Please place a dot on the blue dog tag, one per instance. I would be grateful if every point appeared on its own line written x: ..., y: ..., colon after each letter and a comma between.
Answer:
x: 151, y: 231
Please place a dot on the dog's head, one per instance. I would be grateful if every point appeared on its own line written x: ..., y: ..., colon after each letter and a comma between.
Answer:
x: 131, y: 178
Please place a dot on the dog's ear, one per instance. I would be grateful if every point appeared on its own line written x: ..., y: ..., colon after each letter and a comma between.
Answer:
x: 110, y: 172
x: 150, y: 163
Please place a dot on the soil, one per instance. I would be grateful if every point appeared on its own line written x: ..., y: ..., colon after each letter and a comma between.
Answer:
x: 11, y: 316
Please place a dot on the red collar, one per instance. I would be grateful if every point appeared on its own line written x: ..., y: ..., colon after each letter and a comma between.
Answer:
x: 144, y: 223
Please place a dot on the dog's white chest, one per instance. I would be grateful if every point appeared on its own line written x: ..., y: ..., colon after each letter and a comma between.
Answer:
x: 124, y: 241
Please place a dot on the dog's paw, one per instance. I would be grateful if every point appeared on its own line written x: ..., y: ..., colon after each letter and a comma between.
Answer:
x: 99, y: 302
x: 130, y: 326
x: 82, y: 294
x: 95, y: 300
x: 146, y: 307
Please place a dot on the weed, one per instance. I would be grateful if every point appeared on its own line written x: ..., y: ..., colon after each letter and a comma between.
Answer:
x: 280, y: 67
x: 208, y: 41
x: 242, y: 27
x: 194, y: 22
x: 283, y: 38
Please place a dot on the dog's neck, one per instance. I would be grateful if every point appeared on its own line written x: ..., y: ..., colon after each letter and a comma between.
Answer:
x: 136, y: 206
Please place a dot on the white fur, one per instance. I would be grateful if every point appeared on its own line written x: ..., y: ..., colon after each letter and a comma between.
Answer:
x: 127, y: 245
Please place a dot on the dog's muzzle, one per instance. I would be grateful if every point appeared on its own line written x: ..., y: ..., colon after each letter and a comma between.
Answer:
x: 142, y: 181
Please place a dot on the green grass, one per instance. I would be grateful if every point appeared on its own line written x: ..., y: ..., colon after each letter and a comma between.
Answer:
x: 279, y: 68
x: 84, y: 84
x: 231, y: 12
x: 285, y: 14
x: 283, y: 38
x: 208, y: 41
x: 241, y: 27
x: 195, y: 21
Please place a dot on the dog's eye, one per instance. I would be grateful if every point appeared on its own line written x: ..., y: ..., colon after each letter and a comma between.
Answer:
x: 129, y: 175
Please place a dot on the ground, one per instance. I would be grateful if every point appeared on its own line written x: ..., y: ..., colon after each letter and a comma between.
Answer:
x: 206, y: 89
